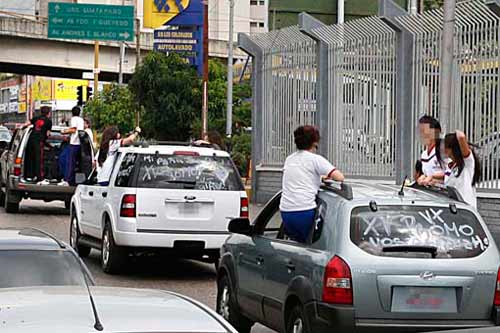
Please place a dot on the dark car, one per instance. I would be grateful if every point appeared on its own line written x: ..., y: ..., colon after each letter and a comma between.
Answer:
x: 378, y: 259
x: 30, y: 258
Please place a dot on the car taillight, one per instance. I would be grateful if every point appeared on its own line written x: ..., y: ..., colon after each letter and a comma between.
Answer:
x: 496, y: 301
x: 244, y: 207
x: 337, y: 287
x: 128, y: 206
x: 17, y: 166
x: 17, y: 171
x: 186, y: 153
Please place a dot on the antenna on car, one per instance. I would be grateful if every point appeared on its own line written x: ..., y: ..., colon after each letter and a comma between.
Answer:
x: 97, y: 323
x: 402, y: 190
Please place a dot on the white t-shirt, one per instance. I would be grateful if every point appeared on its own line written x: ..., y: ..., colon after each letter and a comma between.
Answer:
x: 430, y: 163
x: 302, y: 179
x: 105, y: 173
x: 463, y: 183
x: 76, y: 122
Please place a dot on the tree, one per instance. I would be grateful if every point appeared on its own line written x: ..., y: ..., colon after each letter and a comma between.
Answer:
x: 169, y: 89
x: 433, y: 4
x: 114, y: 106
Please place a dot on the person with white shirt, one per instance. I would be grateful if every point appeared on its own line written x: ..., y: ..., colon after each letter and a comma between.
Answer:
x: 464, y: 170
x: 110, y: 143
x: 302, y: 175
x: 433, y: 165
x: 76, y: 124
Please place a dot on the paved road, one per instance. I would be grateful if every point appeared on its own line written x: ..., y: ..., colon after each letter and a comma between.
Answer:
x: 187, y: 277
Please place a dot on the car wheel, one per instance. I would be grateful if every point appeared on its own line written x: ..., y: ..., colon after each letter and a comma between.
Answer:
x: 227, y: 308
x: 2, y: 196
x: 74, y: 237
x: 296, y: 321
x: 112, y: 256
x: 67, y: 204
x: 11, y: 202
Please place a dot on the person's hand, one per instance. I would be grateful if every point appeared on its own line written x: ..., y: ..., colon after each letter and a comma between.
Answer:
x: 421, y: 180
x: 137, y: 130
x: 460, y: 134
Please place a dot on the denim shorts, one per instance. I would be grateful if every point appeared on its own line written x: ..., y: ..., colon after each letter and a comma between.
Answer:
x: 298, y: 225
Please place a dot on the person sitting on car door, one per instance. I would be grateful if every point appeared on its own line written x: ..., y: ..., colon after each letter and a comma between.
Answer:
x: 433, y: 165
x: 34, y: 169
x: 110, y: 143
x: 86, y: 151
x: 302, y: 175
x: 464, y: 171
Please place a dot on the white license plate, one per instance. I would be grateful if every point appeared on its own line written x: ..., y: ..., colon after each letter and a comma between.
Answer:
x: 424, y: 299
x: 189, y: 209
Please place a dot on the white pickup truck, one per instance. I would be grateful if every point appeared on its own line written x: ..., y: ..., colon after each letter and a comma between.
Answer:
x: 171, y: 198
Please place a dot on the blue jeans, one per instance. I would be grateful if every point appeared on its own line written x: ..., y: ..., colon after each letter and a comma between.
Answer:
x: 298, y: 225
x: 74, y: 155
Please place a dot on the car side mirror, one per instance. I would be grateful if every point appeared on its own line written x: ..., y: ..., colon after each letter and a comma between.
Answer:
x: 80, y: 178
x: 240, y: 226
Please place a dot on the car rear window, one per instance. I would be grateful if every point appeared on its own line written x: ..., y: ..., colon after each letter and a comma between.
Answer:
x: 28, y: 268
x: 209, y: 173
x: 390, y: 228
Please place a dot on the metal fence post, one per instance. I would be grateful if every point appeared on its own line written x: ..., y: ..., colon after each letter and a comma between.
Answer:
x: 307, y: 24
x: 247, y: 45
x: 404, y: 88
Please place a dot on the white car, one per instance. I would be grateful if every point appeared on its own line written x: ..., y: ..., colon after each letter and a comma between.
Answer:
x: 170, y: 198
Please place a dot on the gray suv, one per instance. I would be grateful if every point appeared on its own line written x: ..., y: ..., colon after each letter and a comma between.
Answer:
x: 379, y: 258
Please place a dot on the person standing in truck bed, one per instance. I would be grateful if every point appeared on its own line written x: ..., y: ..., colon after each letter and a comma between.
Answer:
x: 34, y: 167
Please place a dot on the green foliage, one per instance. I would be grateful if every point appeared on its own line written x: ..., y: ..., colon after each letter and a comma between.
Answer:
x: 114, y: 106
x: 241, y: 152
x: 170, y: 92
x: 433, y: 4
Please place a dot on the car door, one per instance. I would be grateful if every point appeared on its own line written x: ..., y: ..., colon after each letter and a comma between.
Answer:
x: 251, y: 262
x: 90, y: 201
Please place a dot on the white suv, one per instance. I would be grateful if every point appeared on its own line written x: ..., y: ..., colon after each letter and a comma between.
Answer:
x: 173, y: 198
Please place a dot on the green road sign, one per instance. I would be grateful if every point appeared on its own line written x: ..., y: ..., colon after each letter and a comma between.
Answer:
x: 92, y: 22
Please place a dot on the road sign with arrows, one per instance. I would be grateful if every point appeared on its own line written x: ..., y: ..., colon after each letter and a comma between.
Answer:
x: 91, y: 22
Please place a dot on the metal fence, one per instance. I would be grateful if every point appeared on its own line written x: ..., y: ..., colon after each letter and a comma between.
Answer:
x: 365, y: 83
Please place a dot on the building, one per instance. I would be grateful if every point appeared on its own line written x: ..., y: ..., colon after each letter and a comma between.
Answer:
x: 284, y: 13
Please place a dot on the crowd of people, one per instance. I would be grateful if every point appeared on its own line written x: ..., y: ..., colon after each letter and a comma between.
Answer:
x: 448, y: 161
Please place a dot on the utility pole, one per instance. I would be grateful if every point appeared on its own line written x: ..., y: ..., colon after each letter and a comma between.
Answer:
x: 229, y: 115
x: 204, y: 111
x: 122, y: 55
x: 412, y: 7
x: 446, y: 64
x: 96, y: 68
x: 340, y: 11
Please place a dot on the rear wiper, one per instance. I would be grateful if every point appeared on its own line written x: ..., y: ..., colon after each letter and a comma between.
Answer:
x: 187, y: 183
x: 412, y: 248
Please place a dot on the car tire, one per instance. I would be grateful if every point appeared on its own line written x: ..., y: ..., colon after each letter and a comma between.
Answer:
x: 227, y: 306
x: 11, y: 203
x: 2, y: 197
x: 296, y: 321
x: 112, y: 255
x: 74, y: 237
x: 67, y: 204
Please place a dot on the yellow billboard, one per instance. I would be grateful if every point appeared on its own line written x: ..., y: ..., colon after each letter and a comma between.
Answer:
x: 159, y: 12
x: 42, y: 89
x: 65, y: 90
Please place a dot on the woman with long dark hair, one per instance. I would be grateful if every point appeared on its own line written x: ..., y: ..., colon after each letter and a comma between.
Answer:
x: 433, y: 165
x: 464, y: 170
x: 110, y: 143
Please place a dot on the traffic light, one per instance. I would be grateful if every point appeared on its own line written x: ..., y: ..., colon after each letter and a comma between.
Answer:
x: 89, y: 92
x: 79, y: 94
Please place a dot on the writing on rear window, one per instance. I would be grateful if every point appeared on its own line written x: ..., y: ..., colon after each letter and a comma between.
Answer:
x: 453, y: 235
x: 209, y: 173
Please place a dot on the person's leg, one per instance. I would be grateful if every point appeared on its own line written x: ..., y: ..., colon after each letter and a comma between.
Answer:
x: 71, y: 165
x: 298, y: 225
x: 29, y: 160
x: 36, y: 158
x: 41, y: 165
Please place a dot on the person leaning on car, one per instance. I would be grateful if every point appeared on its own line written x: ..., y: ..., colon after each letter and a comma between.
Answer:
x: 302, y: 176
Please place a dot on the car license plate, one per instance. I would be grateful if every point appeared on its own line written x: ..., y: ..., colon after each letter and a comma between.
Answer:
x: 424, y: 299
x: 189, y: 209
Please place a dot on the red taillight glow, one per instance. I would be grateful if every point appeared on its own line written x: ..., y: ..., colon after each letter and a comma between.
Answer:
x: 128, y: 206
x: 496, y: 301
x: 337, y: 285
x: 186, y: 153
x: 17, y: 171
x: 244, y: 207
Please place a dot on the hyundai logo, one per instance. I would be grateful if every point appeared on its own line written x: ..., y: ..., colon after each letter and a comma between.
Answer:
x: 427, y: 275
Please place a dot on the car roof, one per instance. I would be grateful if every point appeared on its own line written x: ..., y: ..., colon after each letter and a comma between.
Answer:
x: 47, y: 309
x: 363, y: 193
x: 170, y: 149
x: 27, y: 239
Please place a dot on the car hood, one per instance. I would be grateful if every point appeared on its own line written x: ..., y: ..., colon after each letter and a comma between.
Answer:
x: 68, y: 309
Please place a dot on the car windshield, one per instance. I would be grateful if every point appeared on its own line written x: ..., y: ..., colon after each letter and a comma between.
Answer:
x: 28, y: 268
x: 210, y: 173
x: 419, y: 232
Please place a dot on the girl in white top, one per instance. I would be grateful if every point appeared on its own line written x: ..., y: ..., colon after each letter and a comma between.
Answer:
x: 433, y: 165
x: 464, y: 170
x: 302, y: 175
x: 110, y: 143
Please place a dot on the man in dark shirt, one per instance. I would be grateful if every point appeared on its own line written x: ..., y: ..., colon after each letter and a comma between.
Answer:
x: 36, y: 143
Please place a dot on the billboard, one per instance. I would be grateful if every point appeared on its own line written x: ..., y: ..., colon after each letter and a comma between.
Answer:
x: 42, y: 89
x: 179, y: 28
x: 65, y: 90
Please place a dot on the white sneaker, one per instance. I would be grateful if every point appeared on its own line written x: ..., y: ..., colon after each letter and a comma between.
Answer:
x: 63, y: 183
x: 44, y: 182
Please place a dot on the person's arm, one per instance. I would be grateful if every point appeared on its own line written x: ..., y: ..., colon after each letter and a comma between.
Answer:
x: 131, y: 138
x: 327, y: 170
x: 464, y: 145
x: 71, y: 130
x: 336, y: 175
